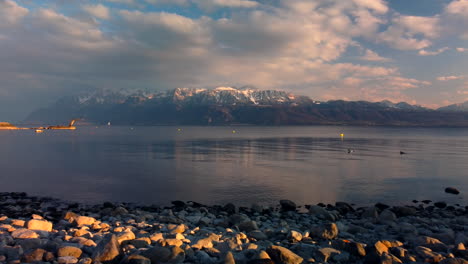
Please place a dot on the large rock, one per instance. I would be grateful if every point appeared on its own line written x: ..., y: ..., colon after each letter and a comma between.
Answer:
x: 322, y: 213
x: 33, y: 255
x: 326, y: 231
x: 69, y: 251
x: 324, y: 254
x: 452, y: 190
x: 248, y: 226
x: 157, y: 254
x: 24, y: 233
x: 283, y: 255
x: 137, y: 259
x: 287, y: 205
x: 107, y: 250
x: 84, y: 220
x: 42, y: 225
x: 454, y: 261
x: 387, y: 217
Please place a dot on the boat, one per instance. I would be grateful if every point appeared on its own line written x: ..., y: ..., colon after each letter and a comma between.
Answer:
x: 39, y: 130
x: 69, y: 127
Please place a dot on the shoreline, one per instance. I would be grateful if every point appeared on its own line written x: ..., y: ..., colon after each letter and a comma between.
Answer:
x: 42, y: 229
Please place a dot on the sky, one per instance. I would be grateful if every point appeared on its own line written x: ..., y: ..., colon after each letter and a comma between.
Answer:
x: 398, y: 50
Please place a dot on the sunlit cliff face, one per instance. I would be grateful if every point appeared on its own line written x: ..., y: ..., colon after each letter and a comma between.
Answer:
x: 354, y: 50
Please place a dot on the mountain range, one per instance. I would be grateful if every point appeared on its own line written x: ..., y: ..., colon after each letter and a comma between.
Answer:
x: 227, y: 105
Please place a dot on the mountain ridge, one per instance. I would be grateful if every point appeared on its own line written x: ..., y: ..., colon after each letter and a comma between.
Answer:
x: 228, y: 105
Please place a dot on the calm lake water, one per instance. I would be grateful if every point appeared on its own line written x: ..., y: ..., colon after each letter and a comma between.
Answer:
x: 213, y: 165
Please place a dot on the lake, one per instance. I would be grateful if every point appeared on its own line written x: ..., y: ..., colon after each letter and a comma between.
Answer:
x: 238, y: 164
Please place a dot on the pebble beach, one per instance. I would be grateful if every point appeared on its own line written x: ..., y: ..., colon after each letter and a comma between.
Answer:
x: 48, y: 230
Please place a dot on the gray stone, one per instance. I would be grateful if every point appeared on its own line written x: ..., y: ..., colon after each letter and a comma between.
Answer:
x: 33, y: 255
x: 326, y: 231
x: 287, y: 205
x: 257, y: 234
x: 454, y: 261
x: 67, y: 260
x: 283, y: 255
x: 324, y: 254
x: 107, y: 250
x: 294, y: 235
x: 248, y: 226
x: 157, y: 254
x: 24, y: 233
x: 452, y: 190
x: 36, y: 224
x: 229, y: 258
x: 69, y: 251
x: 387, y: 217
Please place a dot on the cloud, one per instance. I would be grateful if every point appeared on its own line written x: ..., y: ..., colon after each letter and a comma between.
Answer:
x: 99, y: 11
x: 450, y: 78
x: 11, y: 13
x: 411, y: 32
x: 432, y: 53
x: 462, y: 49
x: 458, y: 7
x: 373, y: 56
x: 227, y: 3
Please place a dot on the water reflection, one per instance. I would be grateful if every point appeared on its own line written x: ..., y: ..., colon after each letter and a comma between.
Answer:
x: 257, y: 164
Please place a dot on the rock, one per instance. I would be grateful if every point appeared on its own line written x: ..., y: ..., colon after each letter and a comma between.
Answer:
x: 431, y: 243
x: 230, y: 208
x: 24, y: 233
x: 440, y: 204
x: 452, y: 190
x: 237, y: 219
x: 344, y: 208
x: 389, y: 259
x: 84, y: 221
x: 283, y: 255
x: 137, y: 259
x: 174, y: 242
x: 107, y: 250
x: 126, y: 235
x: 321, y: 213
x: 327, y: 231
x: 370, y: 212
x: 229, y: 258
x: 287, y: 205
x: 404, y: 211
x: 119, y: 211
x: 33, y: 255
x: 157, y: 254
x: 18, y: 223
x: 69, y: 251
x: 387, y: 217
x: 248, y: 226
x: 257, y: 235
x: 36, y: 224
x: 85, y: 261
x: 67, y: 260
x: 428, y: 255
x: 177, y: 255
x: 454, y: 261
x: 380, y: 248
x: 176, y: 229
x: 294, y: 235
x: 324, y: 254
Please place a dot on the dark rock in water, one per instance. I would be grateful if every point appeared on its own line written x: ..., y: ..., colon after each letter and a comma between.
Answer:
x: 452, y: 190
x: 415, y: 201
x: 287, y: 205
x: 426, y: 201
x: 343, y: 207
x: 440, y: 204
x: 178, y: 203
x: 404, y: 211
x: 381, y: 206
x: 108, y: 250
x: 321, y: 205
x: 283, y: 255
x: 230, y: 208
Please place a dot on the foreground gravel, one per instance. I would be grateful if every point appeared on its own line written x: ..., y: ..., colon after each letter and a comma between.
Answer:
x: 46, y: 230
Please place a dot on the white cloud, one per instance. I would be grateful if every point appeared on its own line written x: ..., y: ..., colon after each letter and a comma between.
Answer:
x: 411, y: 32
x: 458, y: 7
x: 462, y: 49
x: 11, y: 13
x: 227, y: 3
x: 127, y: 2
x: 432, y: 53
x: 450, y: 78
x: 99, y: 11
x: 373, y: 56
x: 378, y: 6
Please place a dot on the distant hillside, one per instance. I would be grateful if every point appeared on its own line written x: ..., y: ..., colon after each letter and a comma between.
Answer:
x: 463, y: 107
x: 226, y: 105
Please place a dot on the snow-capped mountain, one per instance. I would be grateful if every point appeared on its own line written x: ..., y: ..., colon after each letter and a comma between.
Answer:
x: 185, y: 96
x: 228, y: 105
